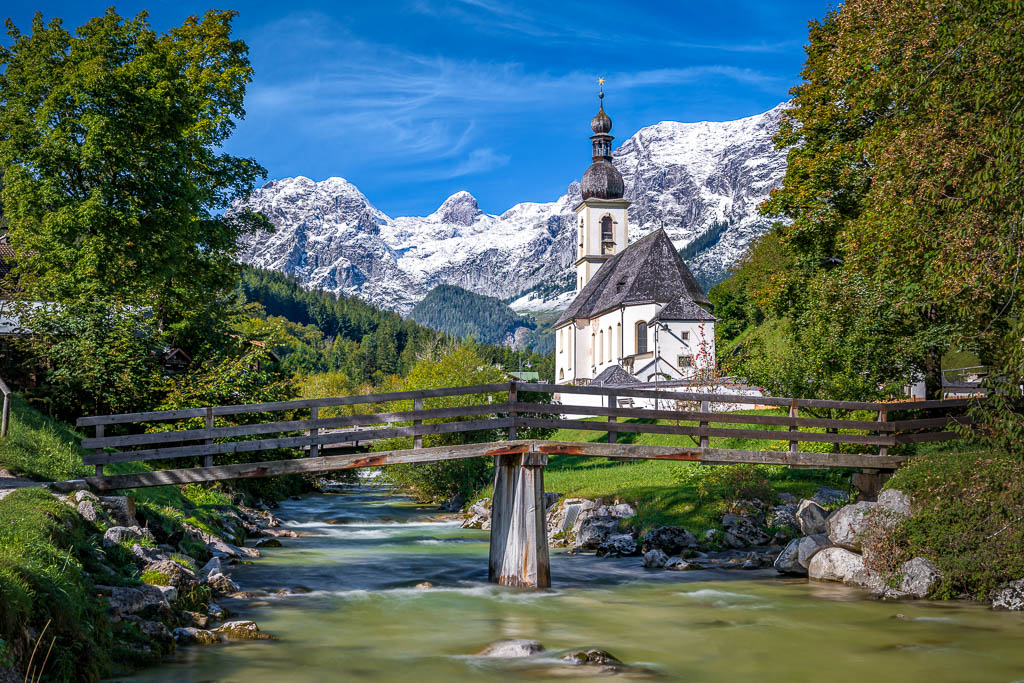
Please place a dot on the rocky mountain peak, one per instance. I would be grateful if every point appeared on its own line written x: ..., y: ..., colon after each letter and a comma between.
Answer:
x: 459, y: 209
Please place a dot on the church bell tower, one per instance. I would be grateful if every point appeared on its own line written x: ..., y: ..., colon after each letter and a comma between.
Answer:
x: 602, y: 218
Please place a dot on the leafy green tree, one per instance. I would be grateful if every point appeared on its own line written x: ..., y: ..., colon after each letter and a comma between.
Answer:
x: 115, y: 178
x: 903, y: 188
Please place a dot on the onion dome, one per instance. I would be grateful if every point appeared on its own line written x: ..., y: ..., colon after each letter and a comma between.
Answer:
x: 602, y: 180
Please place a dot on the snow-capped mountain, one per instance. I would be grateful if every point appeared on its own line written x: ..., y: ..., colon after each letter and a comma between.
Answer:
x: 683, y: 176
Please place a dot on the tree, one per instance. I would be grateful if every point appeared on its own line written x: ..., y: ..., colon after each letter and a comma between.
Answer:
x: 903, y: 185
x: 115, y: 179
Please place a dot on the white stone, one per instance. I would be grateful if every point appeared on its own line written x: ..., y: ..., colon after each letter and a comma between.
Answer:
x: 837, y: 564
x: 655, y: 559
x: 848, y: 525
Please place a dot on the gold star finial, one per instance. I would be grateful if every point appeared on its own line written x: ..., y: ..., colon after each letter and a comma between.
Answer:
x: 600, y: 81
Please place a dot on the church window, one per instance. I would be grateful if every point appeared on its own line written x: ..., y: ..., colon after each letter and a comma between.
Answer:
x: 685, y: 336
x: 609, y: 342
x: 600, y: 347
x: 618, y: 338
x: 561, y: 373
x: 685, y: 361
x: 607, y: 235
x: 641, y: 337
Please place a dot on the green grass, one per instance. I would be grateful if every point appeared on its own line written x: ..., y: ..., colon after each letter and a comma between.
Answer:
x: 39, y: 448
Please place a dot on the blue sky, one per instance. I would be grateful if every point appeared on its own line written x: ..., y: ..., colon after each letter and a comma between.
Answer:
x: 413, y: 100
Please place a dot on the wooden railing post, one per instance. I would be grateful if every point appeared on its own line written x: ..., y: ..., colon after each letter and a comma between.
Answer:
x: 417, y: 440
x: 208, y: 459
x: 513, y: 396
x: 613, y: 402
x: 794, y: 412
x: 882, y: 450
x: 99, y: 451
x: 705, y: 440
x: 5, y: 417
x: 314, y: 415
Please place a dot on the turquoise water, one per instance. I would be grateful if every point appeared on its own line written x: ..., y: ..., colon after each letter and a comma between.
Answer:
x: 364, y: 619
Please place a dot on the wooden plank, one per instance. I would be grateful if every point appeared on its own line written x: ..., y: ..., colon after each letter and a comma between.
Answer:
x: 314, y: 415
x: 705, y: 441
x: 930, y: 423
x: 99, y: 452
x: 716, y: 456
x: 764, y: 435
x: 794, y: 414
x: 297, y: 441
x: 929, y: 405
x: 301, y: 465
x: 278, y: 406
x: 502, y: 500
x: 289, y: 426
x: 612, y: 403
x: 208, y: 459
x: 882, y: 450
x: 525, y: 562
x: 643, y: 413
x: 512, y: 432
x: 417, y: 405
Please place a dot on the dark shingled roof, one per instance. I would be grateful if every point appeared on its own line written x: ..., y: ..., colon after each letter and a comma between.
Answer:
x: 648, y: 270
x: 682, y: 308
x: 613, y: 376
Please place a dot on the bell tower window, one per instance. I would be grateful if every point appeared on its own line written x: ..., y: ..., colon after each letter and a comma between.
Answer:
x: 607, y: 235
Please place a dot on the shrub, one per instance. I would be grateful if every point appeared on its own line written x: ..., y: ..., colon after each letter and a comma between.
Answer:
x: 968, y: 519
x: 736, y: 482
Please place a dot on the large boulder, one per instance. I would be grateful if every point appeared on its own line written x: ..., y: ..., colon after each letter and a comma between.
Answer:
x: 809, y: 546
x: 1010, y: 596
x: 743, y: 530
x: 593, y: 531
x: 91, y: 511
x: 671, y: 540
x: 133, y: 534
x: 655, y: 559
x: 143, y: 555
x: 512, y: 647
x: 678, y: 564
x: 618, y: 545
x: 918, y: 577
x: 621, y: 510
x: 811, y: 517
x: 221, y: 584
x: 128, y: 600
x: 241, y: 630
x: 788, y: 560
x: 218, y: 547
x: 837, y: 564
x: 121, y: 509
x: 826, y: 496
x: 894, y: 504
x: 171, y: 573
x: 848, y: 526
x: 479, y: 515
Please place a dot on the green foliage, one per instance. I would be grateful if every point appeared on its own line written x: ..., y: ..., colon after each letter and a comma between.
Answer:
x: 968, y: 518
x: 39, y: 447
x: 44, y: 551
x: 458, y: 366
x: 733, y: 483
x: 115, y: 178
x: 461, y: 313
x: 902, y: 197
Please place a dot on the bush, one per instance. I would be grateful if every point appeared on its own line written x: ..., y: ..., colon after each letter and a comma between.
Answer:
x: 968, y: 519
x: 733, y: 483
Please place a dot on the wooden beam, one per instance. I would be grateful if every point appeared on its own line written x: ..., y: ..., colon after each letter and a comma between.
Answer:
x: 302, y: 465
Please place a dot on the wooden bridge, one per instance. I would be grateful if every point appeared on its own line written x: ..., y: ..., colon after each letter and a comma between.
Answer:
x: 307, y: 436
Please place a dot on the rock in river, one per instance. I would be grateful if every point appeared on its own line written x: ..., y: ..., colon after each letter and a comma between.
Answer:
x: 617, y: 545
x: 838, y: 564
x: 242, y: 630
x: 671, y: 540
x: 1010, y: 596
x: 919, y: 577
x: 655, y: 559
x: 848, y: 525
x: 190, y: 635
x: 512, y: 647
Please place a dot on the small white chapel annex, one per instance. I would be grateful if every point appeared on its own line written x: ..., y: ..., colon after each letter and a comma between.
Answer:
x: 639, y: 315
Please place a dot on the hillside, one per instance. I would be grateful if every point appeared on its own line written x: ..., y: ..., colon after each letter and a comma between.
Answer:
x: 461, y: 313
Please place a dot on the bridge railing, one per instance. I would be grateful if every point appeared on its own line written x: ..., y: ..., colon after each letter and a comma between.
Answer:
x: 504, y: 408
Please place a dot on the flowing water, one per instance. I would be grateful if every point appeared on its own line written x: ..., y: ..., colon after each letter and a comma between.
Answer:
x: 365, y: 620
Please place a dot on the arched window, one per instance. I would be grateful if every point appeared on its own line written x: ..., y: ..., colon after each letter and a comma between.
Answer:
x: 618, y: 338
x: 607, y: 235
x: 600, y: 347
x: 561, y: 373
x: 641, y: 337
x: 610, y: 356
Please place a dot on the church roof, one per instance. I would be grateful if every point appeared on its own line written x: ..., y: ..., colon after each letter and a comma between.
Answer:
x: 682, y: 308
x: 613, y: 376
x: 646, y: 271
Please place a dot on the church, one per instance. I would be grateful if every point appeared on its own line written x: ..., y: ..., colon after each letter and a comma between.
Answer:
x: 639, y: 315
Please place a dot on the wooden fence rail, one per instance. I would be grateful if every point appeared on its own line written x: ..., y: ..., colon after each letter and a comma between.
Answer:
x: 510, y: 408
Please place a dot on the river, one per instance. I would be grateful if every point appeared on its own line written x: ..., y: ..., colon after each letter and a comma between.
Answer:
x: 364, y: 618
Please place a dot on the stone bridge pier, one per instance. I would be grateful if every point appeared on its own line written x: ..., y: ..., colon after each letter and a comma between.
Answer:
x: 519, y: 533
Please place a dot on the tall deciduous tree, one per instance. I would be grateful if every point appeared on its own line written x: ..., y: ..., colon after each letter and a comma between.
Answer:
x: 904, y: 177
x: 115, y: 178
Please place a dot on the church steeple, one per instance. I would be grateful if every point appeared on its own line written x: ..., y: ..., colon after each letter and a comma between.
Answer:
x: 602, y: 180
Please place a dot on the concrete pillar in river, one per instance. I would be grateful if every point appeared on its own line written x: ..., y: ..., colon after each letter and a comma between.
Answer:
x: 519, y: 532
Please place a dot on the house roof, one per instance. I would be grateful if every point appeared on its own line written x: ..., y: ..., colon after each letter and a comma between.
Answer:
x: 613, y: 376
x: 648, y: 270
x: 682, y: 308
x: 6, y: 258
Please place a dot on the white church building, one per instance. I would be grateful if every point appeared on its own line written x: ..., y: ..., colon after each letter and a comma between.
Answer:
x: 639, y: 315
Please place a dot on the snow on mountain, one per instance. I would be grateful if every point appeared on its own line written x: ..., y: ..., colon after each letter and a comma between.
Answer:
x: 683, y: 176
